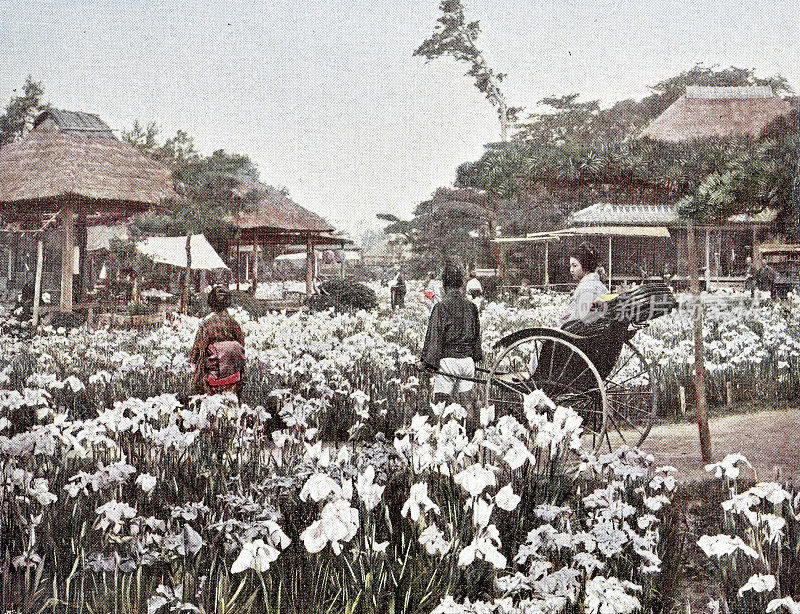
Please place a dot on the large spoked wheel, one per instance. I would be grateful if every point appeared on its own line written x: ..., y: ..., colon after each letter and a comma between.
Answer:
x: 549, y: 361
x: 632, y: 398
x: 618, y: 406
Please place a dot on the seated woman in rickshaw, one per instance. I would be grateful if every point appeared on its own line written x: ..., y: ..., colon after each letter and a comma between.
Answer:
x: 580, y: 310
x: 580, y: 317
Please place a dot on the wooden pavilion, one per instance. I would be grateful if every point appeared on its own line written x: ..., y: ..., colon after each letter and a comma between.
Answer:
x: 69, y: 176
x: 273, y: 223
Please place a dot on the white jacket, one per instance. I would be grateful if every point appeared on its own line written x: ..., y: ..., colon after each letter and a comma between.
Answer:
x: 589, y: 289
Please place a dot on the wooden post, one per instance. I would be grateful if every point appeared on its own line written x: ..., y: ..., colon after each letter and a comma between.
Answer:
x: 699, y: 364
x: 187, y: 276
x: 82, y: 239
x: 14, y: 260
x: 756, y: 254
x: 708, y: 259
x: 682, y: 395
x: 37, y: 284
x: 728, y: 394
x: 238, y: 262
x: 501, y: 265
x: 67, y: 256
x: 255, y: 264
x: 309, y: 265
x: 546, y: 264
x: 609, y: 263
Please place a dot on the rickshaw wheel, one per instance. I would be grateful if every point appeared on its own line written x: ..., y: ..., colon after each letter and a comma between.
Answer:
x: 632, y: 398
x: 548, y: 361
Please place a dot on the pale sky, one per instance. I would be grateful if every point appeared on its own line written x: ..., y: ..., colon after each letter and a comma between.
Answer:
x: 325, y: 96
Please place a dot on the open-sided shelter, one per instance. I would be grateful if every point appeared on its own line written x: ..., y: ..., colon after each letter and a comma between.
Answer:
x: 70, y: 172
x: 273, y: 223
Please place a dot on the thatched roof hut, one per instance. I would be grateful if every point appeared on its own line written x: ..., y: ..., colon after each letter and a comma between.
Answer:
x: 46, y: 169
x: 55, y: 173
x: 276, y: 212
x: 275, y: 220
x: 718, y: 112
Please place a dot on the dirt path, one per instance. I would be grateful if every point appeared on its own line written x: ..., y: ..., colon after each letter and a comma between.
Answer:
x: 769, y: 439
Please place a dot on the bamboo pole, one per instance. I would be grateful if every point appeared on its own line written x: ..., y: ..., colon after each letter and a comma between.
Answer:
x: 609, y: 263
x: 708, y: 259
x: 699, y: 365
x: 187, y: 275
x: 255, y: 264
x: 81, y: 241
x: 37, y: 284
x: 238, y: 262
x: 547, y: 265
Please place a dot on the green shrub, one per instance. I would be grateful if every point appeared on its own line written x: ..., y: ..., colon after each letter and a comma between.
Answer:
x: 344, y: 295
x: 66, y: 320
x: 140, y: 308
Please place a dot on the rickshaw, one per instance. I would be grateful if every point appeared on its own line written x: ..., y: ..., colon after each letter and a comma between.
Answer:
x: 593, y: 369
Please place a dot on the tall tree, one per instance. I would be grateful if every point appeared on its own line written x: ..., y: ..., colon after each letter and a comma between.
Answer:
x: 456, y: 37
x: 212, y: 189
x: 21, y: 110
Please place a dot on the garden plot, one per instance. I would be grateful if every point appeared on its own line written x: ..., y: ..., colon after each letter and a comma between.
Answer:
x: 335, y: 485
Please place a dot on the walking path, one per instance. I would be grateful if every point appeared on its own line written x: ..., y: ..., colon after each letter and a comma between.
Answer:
x: 769, y: 439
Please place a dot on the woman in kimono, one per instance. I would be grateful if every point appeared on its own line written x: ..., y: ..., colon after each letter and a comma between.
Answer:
x: 218, y: 351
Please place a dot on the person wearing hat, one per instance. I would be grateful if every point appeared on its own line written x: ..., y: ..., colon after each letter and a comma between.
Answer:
x: 218, y: 350
x: 398, y: 291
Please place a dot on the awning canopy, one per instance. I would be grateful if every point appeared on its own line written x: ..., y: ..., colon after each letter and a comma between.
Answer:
x: 172, y: 251
x: 605, y: 231
x: 616, y: 231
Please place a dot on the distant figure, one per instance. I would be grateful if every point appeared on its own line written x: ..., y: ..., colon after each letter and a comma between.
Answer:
x: 218, y: 351
x: 453, y: 340
x: 582, y: 265
x: 397, y: 291
x: 474, y: 290
x: 750, y: 276
x: 433, y: 290
x: 473, y: 287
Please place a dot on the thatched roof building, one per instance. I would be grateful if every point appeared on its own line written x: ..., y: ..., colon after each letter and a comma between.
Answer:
x: 718, y: 112
x: 272, y: 223
x: 71, y: 167
x: 275, y: 211
x: 47, y: 168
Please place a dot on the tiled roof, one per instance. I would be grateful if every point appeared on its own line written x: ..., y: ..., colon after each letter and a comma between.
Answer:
x: 695, y: 92
x: 618, y: 214
x: 717, y: 112
x: 651, y: 215
x: 46, y: 165
x: 76, y: 122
